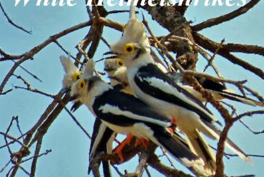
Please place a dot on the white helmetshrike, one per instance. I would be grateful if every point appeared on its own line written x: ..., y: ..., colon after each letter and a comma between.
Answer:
x: 158, y: 90
x: 102, y: 136
x: 117, y: 73
x: 123, y: 113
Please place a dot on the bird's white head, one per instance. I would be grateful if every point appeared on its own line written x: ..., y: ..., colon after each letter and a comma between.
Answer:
x: 86, y: 89
x: 134, y: 41
x: 72, y: 73
x: 112, y: 64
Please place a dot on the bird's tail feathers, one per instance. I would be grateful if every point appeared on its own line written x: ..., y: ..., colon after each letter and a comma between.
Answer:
x: 231, y: 145
x: 240, y: 98
x: 175, y: 146
x: 200, y: 147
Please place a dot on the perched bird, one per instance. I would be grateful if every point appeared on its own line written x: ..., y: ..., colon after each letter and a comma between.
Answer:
x: 102, y: 136
x: 117, y: 74
x: 218, y: 90
x: 128, y: 115
x: 160, y: 92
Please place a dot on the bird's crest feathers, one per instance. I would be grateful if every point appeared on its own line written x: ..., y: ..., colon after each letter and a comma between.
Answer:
x: 71, y: 71
x: 133, y: 32
x: 88, y: 69
x: 132, y: 10
x: 68, y: 65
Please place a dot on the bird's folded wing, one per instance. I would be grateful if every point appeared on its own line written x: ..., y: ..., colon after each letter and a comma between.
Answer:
x: 154, y: 82
x: 125, y: 110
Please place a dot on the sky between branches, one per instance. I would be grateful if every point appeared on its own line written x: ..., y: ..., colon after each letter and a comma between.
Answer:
x: 69, y: 145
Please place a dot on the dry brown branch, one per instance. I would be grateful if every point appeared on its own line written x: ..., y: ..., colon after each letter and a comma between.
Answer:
x: 169, y: 18
x: 141, y: 166
x: 213, y: 56
x: 38, y: 48
x: 249, y: 114
x: 12, y: 138
x: 154, y: 162
x: 174, y: 44
x: 63, y: 49
x: 36, y: 156
x: 183, y: 8
x: 7, y: 57
x: 6, y: 92
x: 213, y: 46
x: 218, y: 20
x: 250, y: 129
x: 180, y: 41
x: 163, y: 48
x: 28, y: 72
x: 11, y: 22
x: 244, y: 48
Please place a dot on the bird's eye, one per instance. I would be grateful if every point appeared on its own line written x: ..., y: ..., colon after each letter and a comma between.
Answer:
x: 129, y: 48
x: 119, y: 62
x: 76, y: 76
x: 82, y: 85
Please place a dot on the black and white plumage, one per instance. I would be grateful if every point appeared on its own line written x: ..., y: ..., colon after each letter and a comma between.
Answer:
x: 117, y: 73
x: 128, y: 115
x: 218, y: 90
x: 101, y: 141
x: 102, y: 136
x: 159, y: 91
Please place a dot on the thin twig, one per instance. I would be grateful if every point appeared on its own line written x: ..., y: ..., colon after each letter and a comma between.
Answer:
x: 212, y: 46
x: 163, y: 48
x: 213, y: 56
x: 11, y: 22
x: 224, y: 18
x: 12, y: 138
x: 38, y: 48
x: 5, y: 166
x: 249, y: 114
x: 6, y: 92
x: 27, y: 71
x: 77, y: 122
x: 250, y: 129
x: 63, y: 49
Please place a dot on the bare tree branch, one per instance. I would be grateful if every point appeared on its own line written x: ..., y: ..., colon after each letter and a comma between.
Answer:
x: 250, y: 129
x: 180, y: 41
x: 38, y: 48
x: 212, y: 46
x: 11, y: 22
x: 244, y: 48
x: 218, y: 20
x: 249, y: 114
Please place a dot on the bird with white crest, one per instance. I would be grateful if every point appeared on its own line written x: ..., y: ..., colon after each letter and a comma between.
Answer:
x: 160, y: 92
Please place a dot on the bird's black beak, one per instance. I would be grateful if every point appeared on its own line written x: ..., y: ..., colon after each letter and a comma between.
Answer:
x: 109, y: 53
x: 65, y: 90
x: 74, y: 97
x: 108, y: 69
x: 75, y: 106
